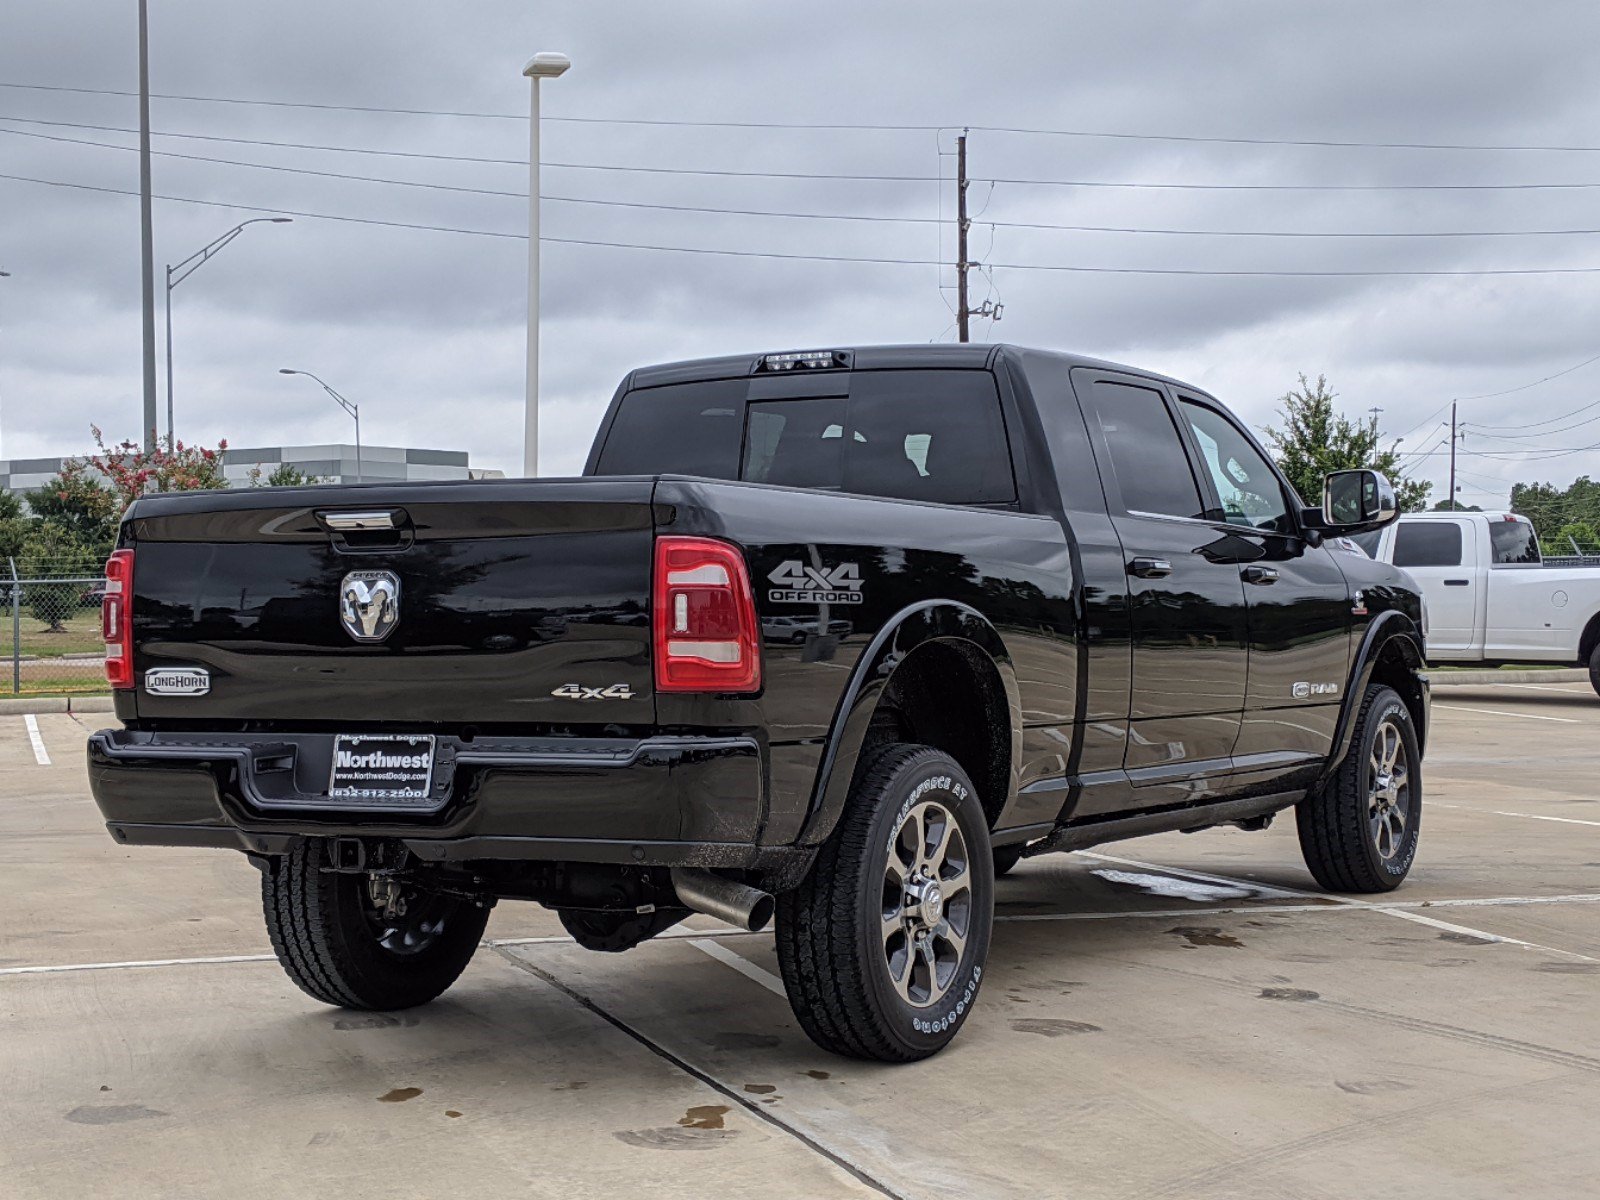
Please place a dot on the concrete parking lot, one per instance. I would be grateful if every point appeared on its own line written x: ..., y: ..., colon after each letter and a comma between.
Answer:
x: 1184, y: 1016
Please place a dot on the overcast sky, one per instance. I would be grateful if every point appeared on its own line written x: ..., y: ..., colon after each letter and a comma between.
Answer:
x: 425, y: 329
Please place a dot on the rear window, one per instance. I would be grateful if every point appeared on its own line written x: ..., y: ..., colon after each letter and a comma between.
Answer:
x: 1427, y: 544
x: 1514, y: 542
x: 912, y: 435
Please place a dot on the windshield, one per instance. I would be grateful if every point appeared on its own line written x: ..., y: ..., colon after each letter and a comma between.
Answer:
x: 913, y: 435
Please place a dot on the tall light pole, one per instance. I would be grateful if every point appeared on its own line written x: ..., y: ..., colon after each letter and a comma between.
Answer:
x: 544, y: 65
x: 3, y: 275
x: 147, y: 260
x: 353, y: 409
x: 177, y: 273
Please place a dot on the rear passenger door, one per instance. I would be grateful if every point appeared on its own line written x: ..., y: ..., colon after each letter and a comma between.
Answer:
x: 1187, y: 609
x: 1299, y: 606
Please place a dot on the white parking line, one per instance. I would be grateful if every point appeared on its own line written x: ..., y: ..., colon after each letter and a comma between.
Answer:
x: 1495, y: 812
x: 1370, y: 906
x: 1500, y: 712
x: 1169, y: 913
x: 740, y: 964
x: 40, y: 754
x: 151, y: 962
x: 1569, y: 689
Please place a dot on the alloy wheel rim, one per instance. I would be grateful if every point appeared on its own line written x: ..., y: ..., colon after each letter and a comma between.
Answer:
x: 927, y: 904
x: 1388, y: 791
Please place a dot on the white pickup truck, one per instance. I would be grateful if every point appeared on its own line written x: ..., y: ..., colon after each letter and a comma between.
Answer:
x: 1491, y: 598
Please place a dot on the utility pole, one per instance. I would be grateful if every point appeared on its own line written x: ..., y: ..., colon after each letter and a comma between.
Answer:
x: 146, y: 234
x: 963, y: 314
x: 1453, y: 456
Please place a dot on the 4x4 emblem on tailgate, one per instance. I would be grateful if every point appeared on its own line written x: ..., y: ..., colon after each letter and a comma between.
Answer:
x: 369, y: 604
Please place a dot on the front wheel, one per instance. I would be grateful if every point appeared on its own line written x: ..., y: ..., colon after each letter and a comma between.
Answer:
x: 882, y: 946
x: 1594, y: 669
x: 361, y: 941
x: 1359, y: 831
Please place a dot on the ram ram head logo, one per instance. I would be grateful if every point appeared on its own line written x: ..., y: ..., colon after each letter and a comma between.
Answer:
x: 369, y: 604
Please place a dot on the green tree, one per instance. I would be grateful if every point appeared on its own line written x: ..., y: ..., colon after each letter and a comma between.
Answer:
x: 1579, y: 533
x: 77, y: 502
x: 1552, y: 509
x: 1315, y: 438
x: 54, y: 550
x: 15, y: 525
x: 283, y: 475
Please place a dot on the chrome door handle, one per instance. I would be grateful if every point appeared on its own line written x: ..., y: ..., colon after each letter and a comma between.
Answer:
x: 1260, y: 575
x: 1150, y: 568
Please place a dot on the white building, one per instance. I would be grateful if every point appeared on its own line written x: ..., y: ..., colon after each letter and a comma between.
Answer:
x: 329, y: 464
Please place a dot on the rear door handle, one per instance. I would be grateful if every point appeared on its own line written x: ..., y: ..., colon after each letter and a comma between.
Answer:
x: 1260, y: 575
x: 1457, y: 582
x: 1150, y: 568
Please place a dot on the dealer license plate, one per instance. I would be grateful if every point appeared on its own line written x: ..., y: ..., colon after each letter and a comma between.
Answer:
x: 382, y: 766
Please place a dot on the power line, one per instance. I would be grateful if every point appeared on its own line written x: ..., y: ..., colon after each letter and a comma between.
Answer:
x: 909, y: 262
x: 833, y: 126
x: 1078, y: 183
x: 1484, y: 430
x: 1037, y: 225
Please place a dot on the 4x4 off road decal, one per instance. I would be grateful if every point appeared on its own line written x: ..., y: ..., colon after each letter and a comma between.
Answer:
x: 800, y: 584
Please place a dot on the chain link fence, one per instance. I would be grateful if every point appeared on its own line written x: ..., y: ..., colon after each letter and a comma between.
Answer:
x: 50, y: 639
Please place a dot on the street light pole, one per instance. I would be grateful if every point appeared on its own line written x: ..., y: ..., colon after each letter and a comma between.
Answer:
x: 177, y: 273
x: 3, y: 275
x: 353, y: 409
x: 147, y: 269
x: 544, y: 65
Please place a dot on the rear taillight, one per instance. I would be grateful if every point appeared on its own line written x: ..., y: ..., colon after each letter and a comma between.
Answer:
x: 116, y: 618
x: 705, y: 631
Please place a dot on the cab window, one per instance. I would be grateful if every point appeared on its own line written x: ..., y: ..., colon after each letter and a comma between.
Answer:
x: 1427, y: 544
x: 1246, y: 484
x: 1149, y: 466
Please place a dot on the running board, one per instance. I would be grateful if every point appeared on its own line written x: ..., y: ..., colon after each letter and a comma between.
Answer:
x: 1189, y: 820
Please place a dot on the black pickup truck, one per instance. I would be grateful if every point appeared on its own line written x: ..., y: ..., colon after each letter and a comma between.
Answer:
x: 834, y: 636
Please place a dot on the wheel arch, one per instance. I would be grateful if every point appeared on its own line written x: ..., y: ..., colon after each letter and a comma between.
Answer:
x: 890, y: 697
x: 1588, y: 640
x: 1391, y: 653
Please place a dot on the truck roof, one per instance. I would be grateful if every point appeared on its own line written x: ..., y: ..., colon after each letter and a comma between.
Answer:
x: 969, y: 356
x: 1487, y: 515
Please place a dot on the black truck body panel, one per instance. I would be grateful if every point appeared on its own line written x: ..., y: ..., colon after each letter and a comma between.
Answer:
x: 1092, y: 701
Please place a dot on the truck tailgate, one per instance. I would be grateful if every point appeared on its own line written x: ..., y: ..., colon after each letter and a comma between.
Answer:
x: 521, y: 601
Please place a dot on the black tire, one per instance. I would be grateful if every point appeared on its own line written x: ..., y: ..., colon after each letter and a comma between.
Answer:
x: 1006, y: 857
x: 339, y: 949
x: 835, y: 932
x: 1359, y: 831
x: 1594, y: 669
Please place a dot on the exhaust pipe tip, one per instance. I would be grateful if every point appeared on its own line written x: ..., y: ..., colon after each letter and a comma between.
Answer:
x: 738, y: 904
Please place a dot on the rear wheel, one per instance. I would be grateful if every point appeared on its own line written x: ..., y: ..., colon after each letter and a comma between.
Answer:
x: 882, y: 946
x: 1594, y: 669
x: 1359, y: 831
x: 364, y: 941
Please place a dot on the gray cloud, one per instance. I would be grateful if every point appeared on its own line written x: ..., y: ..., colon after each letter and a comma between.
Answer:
x: 425, y: 329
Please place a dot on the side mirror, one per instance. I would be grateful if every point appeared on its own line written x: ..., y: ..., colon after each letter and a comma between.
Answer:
x: 1353, y: 501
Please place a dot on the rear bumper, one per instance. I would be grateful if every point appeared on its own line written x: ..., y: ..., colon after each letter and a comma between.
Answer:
x: 654, y: 801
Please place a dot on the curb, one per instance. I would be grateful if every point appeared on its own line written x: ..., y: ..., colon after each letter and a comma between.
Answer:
x: 1479, y: 678
x: 57, y: 704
